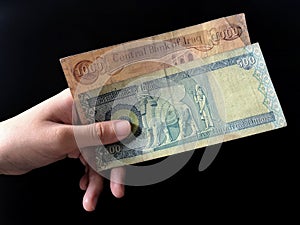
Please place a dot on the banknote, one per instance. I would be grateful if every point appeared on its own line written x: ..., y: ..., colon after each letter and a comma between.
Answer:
x: 90, y: 70
x: 203, y: 102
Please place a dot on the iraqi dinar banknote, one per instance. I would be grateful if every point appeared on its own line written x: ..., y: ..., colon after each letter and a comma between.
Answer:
x: 203, y: 102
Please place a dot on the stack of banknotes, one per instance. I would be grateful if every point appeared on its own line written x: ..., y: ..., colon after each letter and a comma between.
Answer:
x: 181, y: 90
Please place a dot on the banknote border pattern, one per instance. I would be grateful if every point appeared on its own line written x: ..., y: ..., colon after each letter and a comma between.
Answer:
x: 261, y: 73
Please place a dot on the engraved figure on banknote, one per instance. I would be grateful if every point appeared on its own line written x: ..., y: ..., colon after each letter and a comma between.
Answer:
x: 153, y: 122
x: 185, y: 120
x: 162, y: 118
x: 201, y: 100
x: 165, y: 121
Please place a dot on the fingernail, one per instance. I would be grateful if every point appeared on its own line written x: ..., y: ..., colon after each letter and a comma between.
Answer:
x: 122, y: 128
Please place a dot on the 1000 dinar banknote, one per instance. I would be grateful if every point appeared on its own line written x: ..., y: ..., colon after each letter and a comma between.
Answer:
x: 90, y: 70
x: 219, y: 98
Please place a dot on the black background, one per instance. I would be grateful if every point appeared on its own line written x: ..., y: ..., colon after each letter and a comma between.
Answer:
x: 252, y: 179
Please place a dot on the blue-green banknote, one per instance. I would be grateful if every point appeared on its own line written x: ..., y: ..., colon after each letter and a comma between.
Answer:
x: 185, y: 107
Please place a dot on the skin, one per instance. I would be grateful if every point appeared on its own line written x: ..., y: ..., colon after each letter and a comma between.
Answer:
x: 44, y: 134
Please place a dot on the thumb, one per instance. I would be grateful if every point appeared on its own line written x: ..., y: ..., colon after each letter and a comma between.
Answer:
x: 101, y: 133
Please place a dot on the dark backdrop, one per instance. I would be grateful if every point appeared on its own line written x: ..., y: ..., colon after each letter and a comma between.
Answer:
x: 250, y: 180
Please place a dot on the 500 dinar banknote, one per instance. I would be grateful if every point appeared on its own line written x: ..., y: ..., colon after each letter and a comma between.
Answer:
x: 219, y: 98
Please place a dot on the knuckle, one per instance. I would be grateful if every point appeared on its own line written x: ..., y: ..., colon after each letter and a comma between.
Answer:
x: 103, y: 130
x: 99, y: 130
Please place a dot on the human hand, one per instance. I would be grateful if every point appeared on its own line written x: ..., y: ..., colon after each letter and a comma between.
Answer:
x: 44, y: 134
